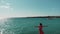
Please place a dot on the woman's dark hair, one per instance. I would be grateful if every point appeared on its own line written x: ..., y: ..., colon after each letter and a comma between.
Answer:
x: 40, y: 23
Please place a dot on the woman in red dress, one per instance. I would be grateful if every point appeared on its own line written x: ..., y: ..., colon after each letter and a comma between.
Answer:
x: 40, y: 28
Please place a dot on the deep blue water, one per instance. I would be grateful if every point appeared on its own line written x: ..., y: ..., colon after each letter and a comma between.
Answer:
x: 26, y: 25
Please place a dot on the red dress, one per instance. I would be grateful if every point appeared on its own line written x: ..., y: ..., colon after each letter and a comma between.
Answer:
x: 40, y: 29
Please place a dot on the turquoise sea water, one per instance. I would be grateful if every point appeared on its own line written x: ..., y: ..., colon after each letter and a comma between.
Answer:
x: 26, y: 26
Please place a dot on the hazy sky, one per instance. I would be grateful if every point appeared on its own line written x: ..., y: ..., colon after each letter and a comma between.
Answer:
x: 17, y: 8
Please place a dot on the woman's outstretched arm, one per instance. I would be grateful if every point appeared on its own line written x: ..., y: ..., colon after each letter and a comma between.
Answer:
x: 36, y: 26
x: 45, y: 26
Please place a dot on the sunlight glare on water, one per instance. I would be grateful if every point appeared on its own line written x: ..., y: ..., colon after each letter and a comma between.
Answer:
x: 2, y: 24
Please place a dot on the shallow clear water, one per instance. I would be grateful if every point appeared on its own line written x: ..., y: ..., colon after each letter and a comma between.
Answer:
x: 26, y: 26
